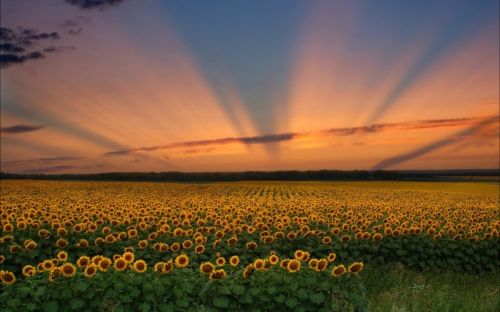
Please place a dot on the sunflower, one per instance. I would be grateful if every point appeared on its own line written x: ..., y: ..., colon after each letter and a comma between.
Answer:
x: 104, y: 264
x: 234, y: 261
x: 120, y: 264
x: 110, y: 238
x: 217, y: 274
x: 199, y: 249
x: 167, y: 268
x: 251, y: 245
x: 128, y: 256
x: 142, y: 244
x: 299, y: 254
x: 377, y: 236
x: 284, y: 263
x: 132, y: 233
x: 332, y: 256
x: 61, y: 243
x: 62, y: 256
x: 322, y: 264
x: 55, y: 273
x: 7, y: 277
x: 175, y: 247
x: 187, y: 244
x: 83, y: 261
x: 248, y: 271
x: 128, y: 249
x: 345, y: 238
x: 29, y: 270
x: 152, y: 236
x: 8, y: 227
x: 293, y: 266
x: 83, y: 243
x: 90, y: 270
x: 158, y: 267
x: 140, y: 266
x: 14, y: 248
x: 274, y: 259
x: 258, y: 264
x: 96, y: 259
x: 47, y: 265
x: 181, y: 261
x: 338, y: 270
x: 313, y: 263
x: 232, y: 241
x: 220, y: 261
x: 355, y: 267
x: 206, y: 267
x: 326, y: 240
x: 30, y: 244
x: 163, y: 247
x: 68, y: 269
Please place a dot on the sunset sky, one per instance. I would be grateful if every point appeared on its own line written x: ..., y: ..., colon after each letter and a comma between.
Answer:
x: 224, y: 85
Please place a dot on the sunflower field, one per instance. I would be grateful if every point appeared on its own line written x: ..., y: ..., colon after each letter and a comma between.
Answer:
x: 249, y: 246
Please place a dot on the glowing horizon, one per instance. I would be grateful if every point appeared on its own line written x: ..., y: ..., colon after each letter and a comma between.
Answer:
x: 365, y: 85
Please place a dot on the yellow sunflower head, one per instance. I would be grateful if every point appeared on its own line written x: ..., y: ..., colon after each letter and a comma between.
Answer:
x: 181, y: 261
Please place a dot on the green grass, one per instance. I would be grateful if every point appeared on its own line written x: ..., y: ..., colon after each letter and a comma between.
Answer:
x: 401, y: 290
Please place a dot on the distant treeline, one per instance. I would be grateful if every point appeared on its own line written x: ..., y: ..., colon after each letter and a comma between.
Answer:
x: 295, y: 175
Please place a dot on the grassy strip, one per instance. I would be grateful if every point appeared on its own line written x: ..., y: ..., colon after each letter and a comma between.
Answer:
x: 401, y: 290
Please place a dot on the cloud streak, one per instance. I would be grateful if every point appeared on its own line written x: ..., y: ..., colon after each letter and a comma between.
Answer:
x: 15, y: 45
x: 17, y: 129
x: 45, y: 160
x: 393, y: 161
x: 289, y: 136
x: 94, y: 4
x: 50, y: 169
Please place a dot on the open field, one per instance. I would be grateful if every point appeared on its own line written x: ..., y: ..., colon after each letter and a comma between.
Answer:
x: 252, y: 246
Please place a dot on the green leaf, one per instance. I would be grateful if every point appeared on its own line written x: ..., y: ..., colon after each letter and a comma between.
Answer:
x: 81, y: 286
x: 238, y: 290
x: 280, y: 298
x: 144, y: 307
x: 77, y: 303
x: 271, y: 290
x: 291, y: 302
x: 183, y: 302
x: 51, y: 306
x: 221, y: 302
x: 318, y: 298
x: 166, y: 307
x: 224, y: 290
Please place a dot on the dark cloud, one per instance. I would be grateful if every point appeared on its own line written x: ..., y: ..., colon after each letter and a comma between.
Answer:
x: 11, y: 48
x: 50, y: 169
x: 7, y: 34
x: 15, y: 45
x: 264, y: 139
x: 75, y: 31
x: 393, y: 161
x: 69, y: 24
x: 20, y: 129
x: 72, y: 27
x: 10, y: 59
x: 94, y: 4
x: 282, y: 137
x: 46, y: 160
x: 58, y: 49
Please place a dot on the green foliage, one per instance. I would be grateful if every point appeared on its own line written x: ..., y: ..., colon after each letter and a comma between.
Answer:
x: 188, y: 290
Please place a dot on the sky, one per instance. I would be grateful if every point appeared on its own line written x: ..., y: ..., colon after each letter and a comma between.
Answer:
x: 148, y: 85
